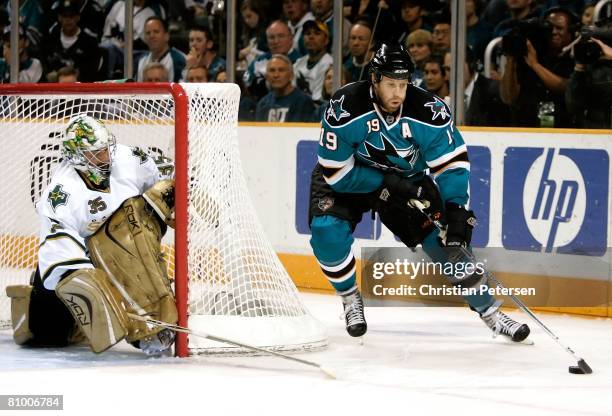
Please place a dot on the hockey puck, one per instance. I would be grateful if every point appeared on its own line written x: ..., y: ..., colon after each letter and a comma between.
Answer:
x: 574, y: 369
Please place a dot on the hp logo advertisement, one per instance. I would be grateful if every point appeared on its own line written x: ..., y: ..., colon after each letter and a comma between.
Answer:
x: 556, y: 200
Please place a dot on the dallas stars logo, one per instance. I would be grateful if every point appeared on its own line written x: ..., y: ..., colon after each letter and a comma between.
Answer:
x: 389, y: 157
x: 58, y: 197
x: 140, y: 154
x: 438, y: 109
x: 335, y: 109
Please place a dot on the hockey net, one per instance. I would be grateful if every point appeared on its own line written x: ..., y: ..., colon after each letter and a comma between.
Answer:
x: 228, y: 279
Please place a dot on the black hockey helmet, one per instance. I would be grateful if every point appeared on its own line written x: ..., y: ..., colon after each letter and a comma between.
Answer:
x: 392, y: 61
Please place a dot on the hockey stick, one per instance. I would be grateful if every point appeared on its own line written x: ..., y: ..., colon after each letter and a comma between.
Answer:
x: 177, y: 328
x: 582, y: 367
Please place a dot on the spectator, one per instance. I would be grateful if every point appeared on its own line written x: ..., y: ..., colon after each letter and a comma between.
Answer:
x: 589, y: 93
x: 574, y: 6
x: 310, y: 69
x: 482, y: 106
x: 519, y: 10
x: 323, y: 11
x: 284, y: 102
x: 441, y: 34
x: 221, y: 76
x: 30, y: 69
x: 113, y: 34
x: 91, y: 15
x: 280, y: 41
x: 412, y: 13
x: 297, y: 13
x: 194, y: 11
x: 68, y: 45
x: 419, y: 44
x: 360, y: 49
x: 155, y: 72
x: 436, y: 77
x: 198, y: 73
x: 4, y: 19
x: 32, y: 17
x: 534, y: 85
x: 254, y: 41
x: 387, y: 26
x: 202, y: 51
x: 157, y: 39
x: 587, y: 15
x: 67, y: 74
x: 496, y: 12
x: 479, y: 32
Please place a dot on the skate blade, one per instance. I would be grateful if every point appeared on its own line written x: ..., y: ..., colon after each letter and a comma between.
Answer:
x: 507, y: 340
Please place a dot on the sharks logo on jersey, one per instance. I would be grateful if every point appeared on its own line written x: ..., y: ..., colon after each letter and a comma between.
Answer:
x: 335, y: 109
x: 389, y: 157
x: 438, y: 108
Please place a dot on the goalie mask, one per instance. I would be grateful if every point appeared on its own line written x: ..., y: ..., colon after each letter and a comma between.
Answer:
x: 89, y: 146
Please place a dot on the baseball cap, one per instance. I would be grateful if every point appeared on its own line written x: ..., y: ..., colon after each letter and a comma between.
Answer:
x: 317, y: 25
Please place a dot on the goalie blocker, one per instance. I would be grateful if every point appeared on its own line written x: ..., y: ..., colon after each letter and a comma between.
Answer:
x: 129, y: 277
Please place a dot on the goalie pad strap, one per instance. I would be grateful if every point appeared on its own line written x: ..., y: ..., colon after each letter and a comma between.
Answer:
x: 128, y: 248
x: 95, y: 307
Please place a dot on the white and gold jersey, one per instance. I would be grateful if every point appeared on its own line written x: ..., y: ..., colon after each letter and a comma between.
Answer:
x: 72, y: 208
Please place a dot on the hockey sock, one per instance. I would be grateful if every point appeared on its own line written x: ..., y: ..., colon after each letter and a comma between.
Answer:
x: 331, y: 242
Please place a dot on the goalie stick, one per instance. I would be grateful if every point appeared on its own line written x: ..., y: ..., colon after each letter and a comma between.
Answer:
x: 582, y: 367
x: 177, y: 328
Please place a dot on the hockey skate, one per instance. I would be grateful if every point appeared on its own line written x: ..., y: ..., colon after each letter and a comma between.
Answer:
x: 158, y: 344
x: 356, y: 324
x: 500, y: 323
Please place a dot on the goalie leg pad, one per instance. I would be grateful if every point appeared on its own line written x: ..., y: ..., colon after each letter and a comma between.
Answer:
x: 20, y: 312
x: 95, y: 307
x: 128, y: 248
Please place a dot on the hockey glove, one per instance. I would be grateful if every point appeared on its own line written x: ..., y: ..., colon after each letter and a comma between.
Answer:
x: 460, y: 223
x: 401, y: 190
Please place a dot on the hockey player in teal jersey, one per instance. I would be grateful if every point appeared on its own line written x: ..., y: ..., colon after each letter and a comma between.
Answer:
x: 378, y: 140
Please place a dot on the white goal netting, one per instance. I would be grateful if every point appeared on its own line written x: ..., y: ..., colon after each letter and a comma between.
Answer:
x: 237, y: 287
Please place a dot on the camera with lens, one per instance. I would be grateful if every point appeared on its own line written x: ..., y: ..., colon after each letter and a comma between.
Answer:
x: 537, y: 31
x: 588, y: 52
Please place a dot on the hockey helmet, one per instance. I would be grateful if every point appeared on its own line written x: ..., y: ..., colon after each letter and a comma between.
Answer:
x: 392, y: 61
x: 83, y: 139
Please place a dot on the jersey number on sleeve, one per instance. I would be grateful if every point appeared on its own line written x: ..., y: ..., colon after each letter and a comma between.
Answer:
x: 328, y: 140
x: 373, y: 125
x: 96, y: 205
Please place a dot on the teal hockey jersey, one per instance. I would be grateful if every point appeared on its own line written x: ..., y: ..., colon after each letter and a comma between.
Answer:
x: 360, y: 143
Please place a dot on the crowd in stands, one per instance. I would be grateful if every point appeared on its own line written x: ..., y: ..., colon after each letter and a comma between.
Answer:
x: 543, y: 73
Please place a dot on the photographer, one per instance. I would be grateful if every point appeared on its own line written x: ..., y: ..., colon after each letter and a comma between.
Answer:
x: 537, y: 71
x: 589, y: 93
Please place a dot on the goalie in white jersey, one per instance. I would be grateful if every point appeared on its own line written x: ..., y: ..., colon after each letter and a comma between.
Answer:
x: 102, y: 219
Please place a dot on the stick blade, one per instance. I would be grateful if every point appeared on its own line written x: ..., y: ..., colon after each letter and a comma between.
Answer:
x: 581, y: 368
x: 584, y: 366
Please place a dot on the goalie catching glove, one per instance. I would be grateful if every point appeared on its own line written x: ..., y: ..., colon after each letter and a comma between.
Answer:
x: 160, y: 197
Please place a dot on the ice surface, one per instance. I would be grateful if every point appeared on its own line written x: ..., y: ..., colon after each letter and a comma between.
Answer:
x: 414, y: 361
